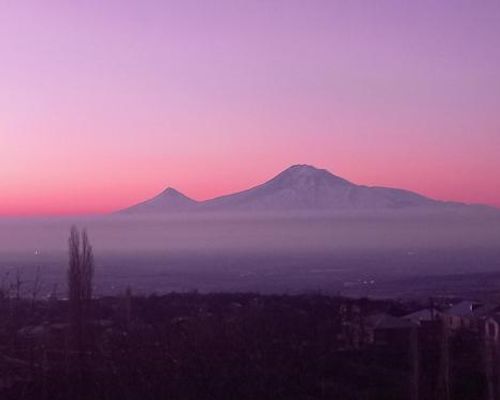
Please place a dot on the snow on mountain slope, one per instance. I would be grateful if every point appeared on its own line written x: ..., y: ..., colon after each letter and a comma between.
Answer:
x: 303, y: 187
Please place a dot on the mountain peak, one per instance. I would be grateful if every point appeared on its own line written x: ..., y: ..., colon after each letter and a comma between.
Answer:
x: 170, y: 200
x: 303, y: 168
x: 309, y: 173
x: 170, y: 191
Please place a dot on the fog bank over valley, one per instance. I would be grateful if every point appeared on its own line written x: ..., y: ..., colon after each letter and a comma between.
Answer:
x: 338, y: 253
x: 255, y: 233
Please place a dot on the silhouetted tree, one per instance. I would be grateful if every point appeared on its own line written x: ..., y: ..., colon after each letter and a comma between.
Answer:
x: 75, y: 286
x: 80, y: 276
x: 81, y: 268
x: 74, y: 271
x: 87, y: 268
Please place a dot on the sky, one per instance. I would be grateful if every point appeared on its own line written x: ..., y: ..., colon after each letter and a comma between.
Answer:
x: 104, y: 104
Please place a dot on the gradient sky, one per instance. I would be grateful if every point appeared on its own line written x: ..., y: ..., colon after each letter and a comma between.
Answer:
x: 105, y: 103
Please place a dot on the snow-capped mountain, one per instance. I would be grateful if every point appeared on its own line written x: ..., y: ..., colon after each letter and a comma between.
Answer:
x: 298, y: 188
x: 303, y: 187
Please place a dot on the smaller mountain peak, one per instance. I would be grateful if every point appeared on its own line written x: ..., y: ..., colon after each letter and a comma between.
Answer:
x: 172, y: 192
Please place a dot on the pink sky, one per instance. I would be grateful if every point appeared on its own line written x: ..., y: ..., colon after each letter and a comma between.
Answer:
x: 103, y: 104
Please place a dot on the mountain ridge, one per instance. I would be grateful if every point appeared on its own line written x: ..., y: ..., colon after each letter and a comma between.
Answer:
x: 300, y: 187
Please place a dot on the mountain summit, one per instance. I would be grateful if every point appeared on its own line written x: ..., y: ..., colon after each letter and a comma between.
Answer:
x: 298, y: 188
x: 307, y: 175
x: 168, y: 201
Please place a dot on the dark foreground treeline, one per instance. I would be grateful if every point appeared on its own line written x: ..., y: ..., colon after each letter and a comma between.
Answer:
x: 217, y: 346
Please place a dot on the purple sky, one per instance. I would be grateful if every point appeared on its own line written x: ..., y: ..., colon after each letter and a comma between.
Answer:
x: 104, y: 103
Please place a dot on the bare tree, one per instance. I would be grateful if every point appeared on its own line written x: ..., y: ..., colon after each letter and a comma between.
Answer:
x: 80, y: 276
x: 81, y: 267
x: 74, y: 271
x: 75, y: 288
x: 87, y: 267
